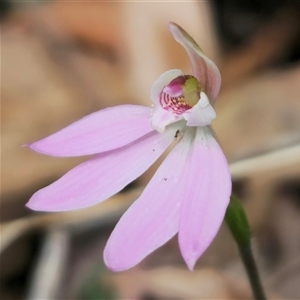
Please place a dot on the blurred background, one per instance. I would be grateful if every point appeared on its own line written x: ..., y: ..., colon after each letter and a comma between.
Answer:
x: 64, y: 60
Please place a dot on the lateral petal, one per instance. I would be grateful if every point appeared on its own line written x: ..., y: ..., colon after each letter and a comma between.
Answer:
x: 101, y: 131
x: 207, y: 196
x: 101, y: 176
x: 204, y: 69
x: 152, y: 219
x: 201, y: 114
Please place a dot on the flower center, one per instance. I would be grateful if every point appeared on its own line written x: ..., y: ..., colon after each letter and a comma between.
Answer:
x: 181, y: 94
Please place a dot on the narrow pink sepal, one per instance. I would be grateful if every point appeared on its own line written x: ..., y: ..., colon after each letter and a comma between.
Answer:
x: 207, y: 196
x: 101, y: 131
x: 153, y: 219
x: 102, y: 176
x: 204, y: 69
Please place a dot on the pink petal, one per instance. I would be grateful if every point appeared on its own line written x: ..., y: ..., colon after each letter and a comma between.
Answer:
x: 204, y: 69
x: 161, y: 118
x: 207, y: 196
x: 101, y: 131
x: 161, y: 82
x: 102, y: 176
x: 153, y: 219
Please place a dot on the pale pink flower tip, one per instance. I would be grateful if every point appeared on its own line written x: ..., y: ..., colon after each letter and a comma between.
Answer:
x: 189, y: 192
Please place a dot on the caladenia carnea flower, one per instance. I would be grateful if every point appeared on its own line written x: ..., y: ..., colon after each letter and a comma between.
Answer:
x: 189, y: 192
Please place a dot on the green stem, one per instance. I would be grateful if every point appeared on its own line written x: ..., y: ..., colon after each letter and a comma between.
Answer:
x: 237, y: 222
x: 250, y: 266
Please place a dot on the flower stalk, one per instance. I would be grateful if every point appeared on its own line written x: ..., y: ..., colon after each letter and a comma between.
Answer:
x: 237, y: 222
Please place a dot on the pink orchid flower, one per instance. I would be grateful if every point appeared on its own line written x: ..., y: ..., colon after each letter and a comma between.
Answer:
x: 190, y: 191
